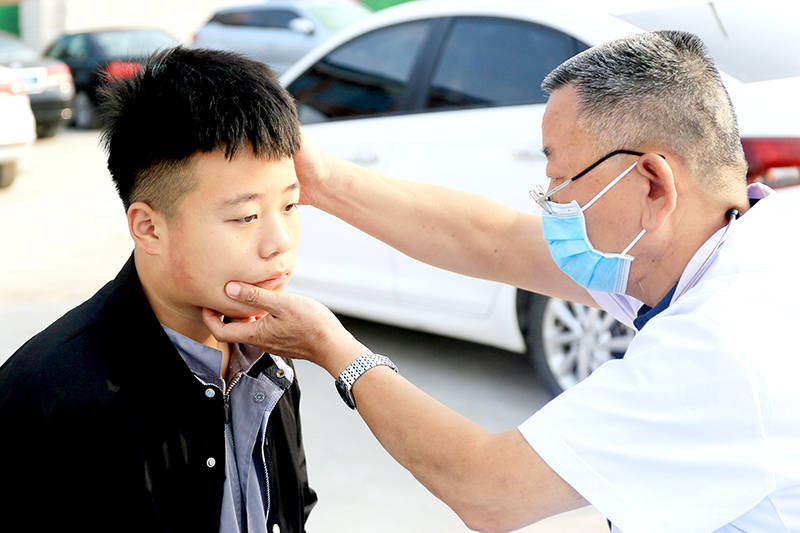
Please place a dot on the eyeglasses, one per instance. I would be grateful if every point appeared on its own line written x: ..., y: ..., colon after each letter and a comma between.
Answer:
x: 543, y: 197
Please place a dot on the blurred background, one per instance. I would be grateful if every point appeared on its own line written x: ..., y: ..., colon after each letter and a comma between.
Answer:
x: 443, y: 91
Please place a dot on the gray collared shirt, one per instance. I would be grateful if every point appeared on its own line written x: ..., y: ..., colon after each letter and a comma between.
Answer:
x: 249, y: 402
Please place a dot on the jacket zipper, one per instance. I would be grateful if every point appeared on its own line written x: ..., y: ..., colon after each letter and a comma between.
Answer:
x: 227, y: 402
x: 227, y: 396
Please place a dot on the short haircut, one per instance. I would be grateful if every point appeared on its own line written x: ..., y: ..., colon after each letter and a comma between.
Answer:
x: 185, y: 101
x: 658, y: 88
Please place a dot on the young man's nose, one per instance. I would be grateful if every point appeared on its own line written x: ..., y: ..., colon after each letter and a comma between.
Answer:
x: 275, y: 238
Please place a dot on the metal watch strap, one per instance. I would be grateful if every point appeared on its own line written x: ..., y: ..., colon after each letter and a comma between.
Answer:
x: 345, y: 381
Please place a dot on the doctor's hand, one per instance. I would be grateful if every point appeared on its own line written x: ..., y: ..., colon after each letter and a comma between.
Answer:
x: 293, y: 326
x: 313, y: 168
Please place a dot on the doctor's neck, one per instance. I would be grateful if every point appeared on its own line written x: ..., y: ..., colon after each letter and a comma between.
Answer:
x: 666, y: 252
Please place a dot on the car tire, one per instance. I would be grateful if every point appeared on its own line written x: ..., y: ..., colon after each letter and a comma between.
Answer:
x: 47, y: 129
x: 8, y: 172
x: 567, y: 341
x: 84, y: 112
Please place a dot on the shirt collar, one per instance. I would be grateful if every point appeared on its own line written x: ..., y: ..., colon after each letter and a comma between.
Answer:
x: 206, y: 362
x: 755, y: 192
x: 646, y: 312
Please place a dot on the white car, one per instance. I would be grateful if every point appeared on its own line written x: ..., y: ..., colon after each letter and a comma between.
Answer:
x: 448, y: 92
x: 17, y: 126
x: 277, y: 33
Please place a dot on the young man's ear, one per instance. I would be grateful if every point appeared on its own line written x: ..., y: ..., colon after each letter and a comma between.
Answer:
x: 147, y: 227
x: 662, y: 193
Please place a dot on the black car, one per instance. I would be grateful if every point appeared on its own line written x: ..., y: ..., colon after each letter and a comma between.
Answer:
x: 95, y: 56
x: 47, y: 82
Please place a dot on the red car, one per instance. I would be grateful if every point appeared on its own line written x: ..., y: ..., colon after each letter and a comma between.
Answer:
x: 94, y: 56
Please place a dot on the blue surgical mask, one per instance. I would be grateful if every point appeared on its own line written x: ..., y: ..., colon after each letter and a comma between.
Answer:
x: 564, y: 230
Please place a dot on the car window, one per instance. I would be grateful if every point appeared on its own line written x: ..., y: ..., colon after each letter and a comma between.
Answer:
x: 259, y: 18
x: 58, y: 49
x: 493, y: 61
x: 236, y: 18
x: 77, y: 47
x: 750, y: 41
x: 134, y: 43
x: 363, y: 77
x: 279, y: 18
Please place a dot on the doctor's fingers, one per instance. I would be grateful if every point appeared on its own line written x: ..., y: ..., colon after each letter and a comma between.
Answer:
x: 230, y: 332
x: 296, y: 314
x: 270, y: 301
x: 266, y: 332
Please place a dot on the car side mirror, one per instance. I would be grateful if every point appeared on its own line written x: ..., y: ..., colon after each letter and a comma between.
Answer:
x: 302, y: 25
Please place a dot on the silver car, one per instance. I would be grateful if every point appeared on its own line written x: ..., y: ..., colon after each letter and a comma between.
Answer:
x: 17, y: 126
x: 277, y: 33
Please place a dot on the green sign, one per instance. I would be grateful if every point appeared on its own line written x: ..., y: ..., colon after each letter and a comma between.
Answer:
x: 375, y: 5
x: 9, y: 18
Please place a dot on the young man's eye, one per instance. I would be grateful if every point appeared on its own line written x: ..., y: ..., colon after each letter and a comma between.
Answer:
x: 247, y: 219
x: 290, y: 207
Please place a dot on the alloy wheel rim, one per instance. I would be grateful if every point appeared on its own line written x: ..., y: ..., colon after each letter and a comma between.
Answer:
x: 578, y: 339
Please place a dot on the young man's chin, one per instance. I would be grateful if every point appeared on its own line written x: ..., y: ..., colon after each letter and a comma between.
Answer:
x: 244, y: 314
x: 232, y: 311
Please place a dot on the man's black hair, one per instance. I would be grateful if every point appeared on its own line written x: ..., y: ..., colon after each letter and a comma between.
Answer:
x: 187, y: 100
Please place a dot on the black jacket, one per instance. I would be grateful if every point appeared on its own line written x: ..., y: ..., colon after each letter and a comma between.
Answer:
x: 104, y: 428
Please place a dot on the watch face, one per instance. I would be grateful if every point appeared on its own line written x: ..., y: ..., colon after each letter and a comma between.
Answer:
x: 341, y: 386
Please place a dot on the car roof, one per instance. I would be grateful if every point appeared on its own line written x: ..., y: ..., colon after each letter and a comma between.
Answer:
x: 587, y: 23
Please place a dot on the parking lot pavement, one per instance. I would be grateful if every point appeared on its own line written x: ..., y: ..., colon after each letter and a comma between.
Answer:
x: 64, y: 235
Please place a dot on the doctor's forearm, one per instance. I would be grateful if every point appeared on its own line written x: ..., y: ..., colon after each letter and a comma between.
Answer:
x: 450, y: 455
x: 494, y: 482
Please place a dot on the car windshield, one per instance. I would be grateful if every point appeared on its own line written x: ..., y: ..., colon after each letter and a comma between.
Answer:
x: 338, y: 16
x: 750, y: 41
x: 12, y: 50
x: 133, y: 43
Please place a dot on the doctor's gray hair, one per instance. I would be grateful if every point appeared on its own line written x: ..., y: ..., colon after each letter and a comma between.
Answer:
x: 658, y: 88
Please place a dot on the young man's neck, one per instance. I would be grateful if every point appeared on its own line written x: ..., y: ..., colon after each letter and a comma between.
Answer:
x: 185, y: 320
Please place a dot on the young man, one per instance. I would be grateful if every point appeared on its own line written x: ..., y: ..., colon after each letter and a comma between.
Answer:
x: 126, y: 413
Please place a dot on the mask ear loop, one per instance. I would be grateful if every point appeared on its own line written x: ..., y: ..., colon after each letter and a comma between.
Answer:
x: 605, y: 189
x: 633, y: 242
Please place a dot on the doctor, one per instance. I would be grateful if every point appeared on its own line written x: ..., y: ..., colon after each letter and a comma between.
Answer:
x: 648, y: 216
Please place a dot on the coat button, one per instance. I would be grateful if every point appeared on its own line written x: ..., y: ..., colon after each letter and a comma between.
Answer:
x: 210, y: 462
x: 280, y: 373
x: 210, y: 392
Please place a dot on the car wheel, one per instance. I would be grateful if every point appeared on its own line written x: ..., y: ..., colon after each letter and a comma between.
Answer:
x: 84, y: 112
x: 568, y: 341
x: 47, y: 130
x: 8, y: 171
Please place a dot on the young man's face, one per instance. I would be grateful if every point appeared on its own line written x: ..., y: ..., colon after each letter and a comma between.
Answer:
x: 240, y: 222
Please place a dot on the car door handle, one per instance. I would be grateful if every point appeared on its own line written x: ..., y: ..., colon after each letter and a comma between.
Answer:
x: 364, y: 158
x: 527, y: 154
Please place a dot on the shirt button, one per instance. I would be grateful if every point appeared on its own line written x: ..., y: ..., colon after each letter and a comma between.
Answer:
x: 276, y: 528
x: 280, y: 373
x: 210, y: 462
x: 259, y: 397
x: 210, y: 392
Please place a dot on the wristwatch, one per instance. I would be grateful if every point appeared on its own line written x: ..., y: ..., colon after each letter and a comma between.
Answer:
x: 344, y: 383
